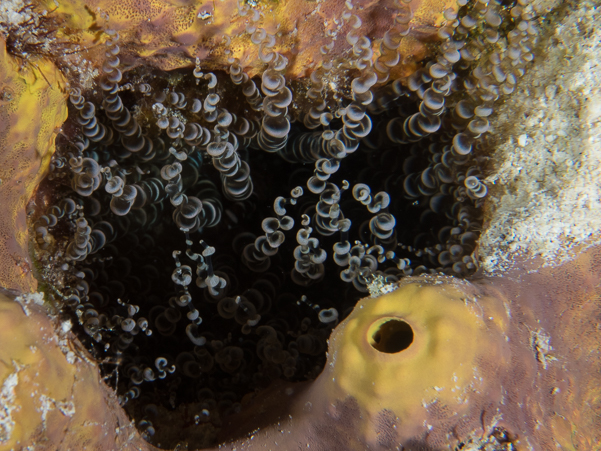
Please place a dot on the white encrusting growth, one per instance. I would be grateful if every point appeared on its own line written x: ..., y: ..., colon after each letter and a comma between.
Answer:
x: 7, y: 405
x: 545, y: 191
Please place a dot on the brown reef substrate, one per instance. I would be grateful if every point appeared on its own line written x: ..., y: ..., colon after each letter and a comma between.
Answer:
x: 553, y: 317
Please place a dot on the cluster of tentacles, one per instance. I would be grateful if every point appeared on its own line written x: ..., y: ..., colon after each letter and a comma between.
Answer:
x: 206, y: 236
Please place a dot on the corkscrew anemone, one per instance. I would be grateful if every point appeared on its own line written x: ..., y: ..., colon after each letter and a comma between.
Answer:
x: 181, y: 170
x: 206, y: 230
x: 210, y: 174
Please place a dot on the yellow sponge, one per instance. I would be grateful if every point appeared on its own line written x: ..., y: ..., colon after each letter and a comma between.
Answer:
x: 51, y: 395
x: 422, y: 367
x: 425, y: 346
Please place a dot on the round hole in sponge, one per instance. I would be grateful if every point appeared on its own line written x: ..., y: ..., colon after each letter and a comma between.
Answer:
x: 390, y: 335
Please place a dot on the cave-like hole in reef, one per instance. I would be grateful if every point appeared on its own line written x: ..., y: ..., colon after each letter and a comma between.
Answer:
x: 392, y: 336
x: 205, y: 232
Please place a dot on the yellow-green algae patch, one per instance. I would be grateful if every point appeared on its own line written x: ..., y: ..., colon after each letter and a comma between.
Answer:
x: 32, y: 110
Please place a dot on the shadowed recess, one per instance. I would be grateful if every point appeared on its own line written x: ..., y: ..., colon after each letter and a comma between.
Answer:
x: 391, y: 336
x: 206, y: 231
